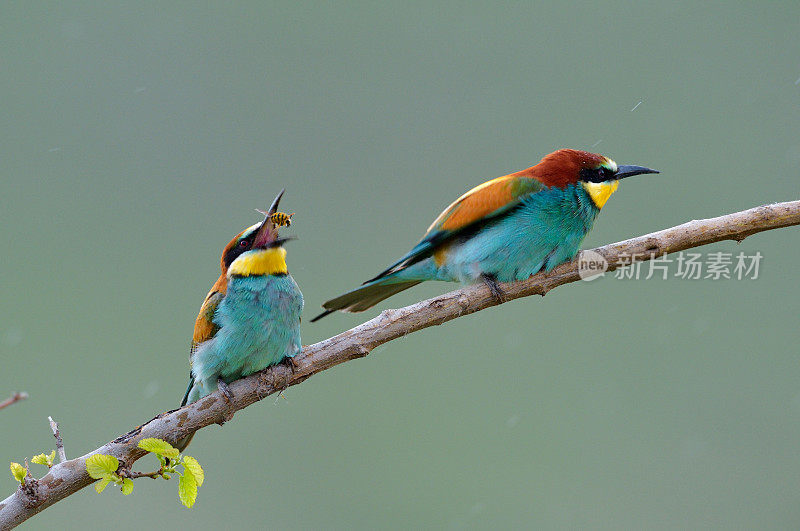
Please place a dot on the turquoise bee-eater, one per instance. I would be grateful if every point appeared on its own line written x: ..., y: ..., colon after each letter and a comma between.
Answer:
x: 503, y: 230
x: 250, y: 319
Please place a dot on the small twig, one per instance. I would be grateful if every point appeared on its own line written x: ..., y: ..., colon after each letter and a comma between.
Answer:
x: 62, y: 455
x: 134, y: 475
x: 15, y: 397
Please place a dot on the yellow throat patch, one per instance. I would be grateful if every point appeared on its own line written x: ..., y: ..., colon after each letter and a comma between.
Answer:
x: 260, y: 262
x: 600, y: 192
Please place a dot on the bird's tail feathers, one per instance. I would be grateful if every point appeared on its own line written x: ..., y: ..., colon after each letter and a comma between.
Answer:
x: 366, y: 296
x: 420, y: 251
x: 183, y: 443
x: 188, y: 389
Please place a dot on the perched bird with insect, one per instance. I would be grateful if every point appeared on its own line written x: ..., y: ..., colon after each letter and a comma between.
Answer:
x: 503, y: 230
x: 250, y: 319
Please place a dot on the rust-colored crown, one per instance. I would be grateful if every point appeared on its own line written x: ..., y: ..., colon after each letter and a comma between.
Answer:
x: 562, y: 168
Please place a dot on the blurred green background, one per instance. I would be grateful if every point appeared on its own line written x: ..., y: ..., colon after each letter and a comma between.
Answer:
x: 138, y: 139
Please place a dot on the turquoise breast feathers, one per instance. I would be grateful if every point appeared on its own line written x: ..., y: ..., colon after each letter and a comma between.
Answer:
x: 259, y: 326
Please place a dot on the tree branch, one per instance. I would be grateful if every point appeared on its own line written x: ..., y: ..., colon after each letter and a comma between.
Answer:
x: 70, y: 476
x: 15, y: 397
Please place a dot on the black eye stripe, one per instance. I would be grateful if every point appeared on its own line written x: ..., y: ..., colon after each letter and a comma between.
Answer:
x: 596, y: 175
x: 234, y: 252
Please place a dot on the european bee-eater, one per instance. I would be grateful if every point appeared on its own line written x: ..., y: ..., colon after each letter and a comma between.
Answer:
x: 250, y: 319
x: 505, y: 229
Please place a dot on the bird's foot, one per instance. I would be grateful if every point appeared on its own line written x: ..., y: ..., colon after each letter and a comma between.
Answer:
x: 226, y: 391
x: 227, y: 394
x: 289, y: 363
x: 497, y: 292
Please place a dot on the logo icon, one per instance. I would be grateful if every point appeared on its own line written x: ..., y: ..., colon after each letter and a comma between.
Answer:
x: 591, y: 265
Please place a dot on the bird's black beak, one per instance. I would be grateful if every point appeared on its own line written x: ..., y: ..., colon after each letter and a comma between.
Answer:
x: 274, y: 207
x: 267, y: 233
x: 279, y: 242
x: 629, y: 171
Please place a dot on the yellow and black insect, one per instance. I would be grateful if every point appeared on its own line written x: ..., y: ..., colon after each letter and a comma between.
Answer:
x: 280, y: 219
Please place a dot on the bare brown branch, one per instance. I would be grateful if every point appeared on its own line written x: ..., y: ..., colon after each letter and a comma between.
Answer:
x: 70, y: 476
x: 14, y: 398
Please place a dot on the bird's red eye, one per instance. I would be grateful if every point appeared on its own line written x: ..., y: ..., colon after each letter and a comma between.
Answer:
x: 244, y: 244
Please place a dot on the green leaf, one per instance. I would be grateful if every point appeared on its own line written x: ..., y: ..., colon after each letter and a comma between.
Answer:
x: 46, y: 460
x: 102, y: 484
x: 99, y: 465
x: 158, y: 446
x: 18, y: 471
x: 187, y: 489
x: 127, y: 486
x: 194, y: 467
